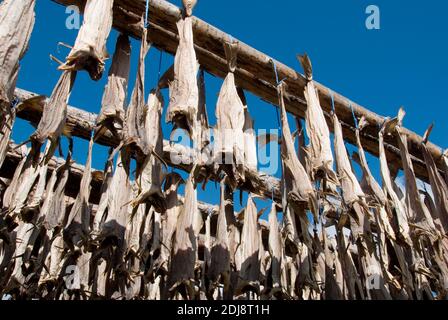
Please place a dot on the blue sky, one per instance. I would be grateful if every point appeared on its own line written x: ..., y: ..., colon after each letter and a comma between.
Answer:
x: 403, y: 63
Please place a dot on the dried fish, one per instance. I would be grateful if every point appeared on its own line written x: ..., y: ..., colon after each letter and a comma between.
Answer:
x: 185, y: 245
x: 320, y: 154
x: 5, y: 133
x: 229, y: 136
x: 417, y: 211
x: 250, y: 139
x: 297, y: 188
x: 249, y: 248
x: 445, y: 165
x: 134, y: 133
x: 184, y: 90
x: 112, y: 111
x: 275, y: 251
x: 77, y: 227
x: 89, y: 51
x: 54, y: 116
x: 170, y: 220
x: 17, y: 21
x: 150, y: 178
x: 119, y: 194
x: 438, y: 186
x: 403, y: 229
x: 219, y: 271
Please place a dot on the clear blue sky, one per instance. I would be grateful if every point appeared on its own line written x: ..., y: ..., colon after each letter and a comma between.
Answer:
x: 404, y: 63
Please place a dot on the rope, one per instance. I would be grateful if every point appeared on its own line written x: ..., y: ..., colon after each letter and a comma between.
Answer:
x: 147, y: 15
x: 160, y: 65
x: 332, y: 101
x: 277, y: 83
x: 354, y: 116
x: 15, y: 102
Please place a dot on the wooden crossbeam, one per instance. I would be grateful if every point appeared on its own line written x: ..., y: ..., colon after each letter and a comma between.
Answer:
x: 255, y: 74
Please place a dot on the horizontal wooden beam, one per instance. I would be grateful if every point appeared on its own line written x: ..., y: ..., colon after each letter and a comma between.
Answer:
x: 255, y: 74
x: 181, y: 157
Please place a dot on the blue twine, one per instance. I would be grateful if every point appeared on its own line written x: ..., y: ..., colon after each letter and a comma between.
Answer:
x: 275, y: 71
x: 160, y: 65
x: 15, y: 102
x: 147, y: 14
x: 353, y: 114
x: 332, y: 101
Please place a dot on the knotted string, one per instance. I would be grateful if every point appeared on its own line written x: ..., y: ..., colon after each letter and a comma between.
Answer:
x: 354, y: 116
x: 147, y: 15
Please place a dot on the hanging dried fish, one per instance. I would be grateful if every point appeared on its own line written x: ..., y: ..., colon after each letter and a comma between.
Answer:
x: 438, y: 186
x: 17, y: 21
x: 119, y: 194
x: 169, y: 222
x: 275, y: 251
x: 419, y: 215
x: 112, y: 111
x: 202, y: 130
x: 360, y: 216
x: 54, y: 206
x: 372, y: 187
x: 403, y: 230
x: 250, y: 139
x: 77, y: 227
x: 229, y: 136
x: 219, y: 271
x: 445, y: 165
x: 150, y: 178
x: 184, y: 93
x: 320, y: 154
x: 5, y: 133
x: 181, y: 276
x: 249, y: 248
x: 89, y: 51
x: 297, y: 188
x: 134, y: 134
x: 100, y: 215
x: 53, y: 122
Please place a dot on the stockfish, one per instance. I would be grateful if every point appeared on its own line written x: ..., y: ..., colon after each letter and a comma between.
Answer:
x: 297, y: 188
x: 53, y: 121
x: 118, y: 195
x: 5, y: 133
x: 419, y: 216
x: 445, y: 165
x: 169, y: 221
x: 112, y: 111
x: 275, y: 251
x: 150, y: 178
x: 181, y: 276
x: 360, y: 216
x: 184, y: 93
x: 249, y: 248
x: 17, y: 21
x: 101, y: 212
x: 77, y: 227
x: 89, y: 51
x: 402, y: 229
x: 134, y: 134
x: 229, y: 136
x: 219, y: 271
x: 438, y: 186
x: 372, y: 187
x: 320, y: 154
x: 250, y: 138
